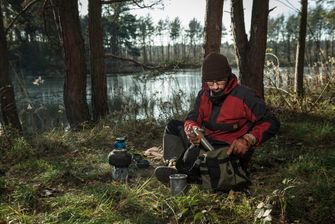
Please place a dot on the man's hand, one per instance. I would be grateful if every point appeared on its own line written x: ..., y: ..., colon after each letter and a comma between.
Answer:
x: 194, y: 140
x: 239, y: 147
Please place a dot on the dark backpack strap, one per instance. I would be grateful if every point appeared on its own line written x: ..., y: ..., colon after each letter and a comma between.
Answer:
x: 237, y: 167
x: 226, y: 127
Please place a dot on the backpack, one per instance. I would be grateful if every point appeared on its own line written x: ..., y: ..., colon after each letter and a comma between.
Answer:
x: 220, y: 172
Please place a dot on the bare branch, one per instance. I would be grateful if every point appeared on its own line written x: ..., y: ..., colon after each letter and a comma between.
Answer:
x: 270, y: 10
x: 18, y: 15
x: 109, y: 55
x: 135, y: 2
x: 144, y: 5
x: 113, y: 1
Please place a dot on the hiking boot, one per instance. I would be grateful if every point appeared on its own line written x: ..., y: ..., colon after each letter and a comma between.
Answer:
x: 162, y: 173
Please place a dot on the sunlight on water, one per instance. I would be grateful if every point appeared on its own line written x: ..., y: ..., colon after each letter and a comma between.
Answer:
x: 142, y: 95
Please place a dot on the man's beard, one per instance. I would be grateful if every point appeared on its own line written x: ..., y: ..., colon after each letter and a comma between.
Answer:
x: 216, y: 97
x: 217, y: 94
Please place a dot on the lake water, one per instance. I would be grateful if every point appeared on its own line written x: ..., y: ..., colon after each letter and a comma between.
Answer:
x: 49, y: 91
x: 136, y: 95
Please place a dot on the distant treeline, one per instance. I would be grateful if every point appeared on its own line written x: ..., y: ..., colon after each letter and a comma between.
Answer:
x: 35, y: 49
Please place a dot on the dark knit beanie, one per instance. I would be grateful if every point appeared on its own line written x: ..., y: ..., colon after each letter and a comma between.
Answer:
x: 215, y: 67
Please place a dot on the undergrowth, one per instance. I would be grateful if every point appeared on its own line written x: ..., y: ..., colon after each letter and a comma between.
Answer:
x: 64, y: 177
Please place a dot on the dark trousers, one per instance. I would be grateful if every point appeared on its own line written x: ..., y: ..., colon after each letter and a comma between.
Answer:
x: 176, y: 127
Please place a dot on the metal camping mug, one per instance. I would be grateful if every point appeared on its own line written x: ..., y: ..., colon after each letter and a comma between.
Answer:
x: 178, y: 184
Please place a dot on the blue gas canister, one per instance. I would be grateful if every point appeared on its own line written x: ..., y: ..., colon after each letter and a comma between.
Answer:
x: 120, y: 143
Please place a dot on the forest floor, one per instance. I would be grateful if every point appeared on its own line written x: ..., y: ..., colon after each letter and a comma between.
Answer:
x: 64, y: 177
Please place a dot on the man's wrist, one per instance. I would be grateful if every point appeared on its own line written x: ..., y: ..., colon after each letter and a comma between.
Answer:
x: 250, y: 138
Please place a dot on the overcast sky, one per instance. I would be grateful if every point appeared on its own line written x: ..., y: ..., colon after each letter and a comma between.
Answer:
x: 189, y: 9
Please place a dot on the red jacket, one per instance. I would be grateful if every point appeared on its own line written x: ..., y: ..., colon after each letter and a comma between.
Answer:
x: 239, y: 111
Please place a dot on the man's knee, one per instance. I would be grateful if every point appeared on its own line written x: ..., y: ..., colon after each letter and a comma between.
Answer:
x: 173, y: 127
x: 174, y: 140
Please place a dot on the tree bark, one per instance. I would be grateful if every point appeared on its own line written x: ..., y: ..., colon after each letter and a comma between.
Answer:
x: 240, y: 36
x: 145, y: 55
x: 150, y: 53
x: 196, y: 52
x: 175, y: 52
x: 168, y: 52
x: 98, y: 75
x: 332, y: 47
x: 7, y: 97
x: 75, y: 79
x: 326, y: 49
x: 258, y: 35
x: 299, y: 66
x: 317, y: 52
x: 288, y: 49
x: 162, y: 52
x: 213, y: 26
x: 251, y: 54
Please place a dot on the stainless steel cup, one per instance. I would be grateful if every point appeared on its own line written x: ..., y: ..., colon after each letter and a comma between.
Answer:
x: 178, y: 184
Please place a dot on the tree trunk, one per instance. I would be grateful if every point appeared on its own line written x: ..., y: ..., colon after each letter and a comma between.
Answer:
x: 183, y: 45
x: 299, y: 65
x: 194, y: 51
x: 308, y: 49
x: 162, y: 52
x: 168, y: 52
x: 213, y: 26
x: 240, y: 37
x: 7, y: 98
x: 75, y: 79
x: 175, y: 52
x: 327, y: 45
x: 98, y: 76
x: 288, y: 49
x: 332, y: 47
x: 258, y: 35
x: 145, y: 56
x: 150, y: 53
x: 317, y: 52
x: 251, y: 71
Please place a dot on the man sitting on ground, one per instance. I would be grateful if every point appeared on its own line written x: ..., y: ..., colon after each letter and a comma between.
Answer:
x: 230, y: 115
